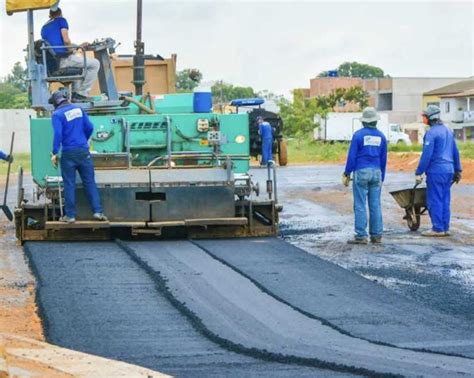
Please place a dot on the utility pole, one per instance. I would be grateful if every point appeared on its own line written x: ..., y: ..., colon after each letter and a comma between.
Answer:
x: 138, y: 58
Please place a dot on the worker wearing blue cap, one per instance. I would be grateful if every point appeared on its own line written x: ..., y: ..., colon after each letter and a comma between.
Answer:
x: 72, y: 130
x: 367, y: 158
x: 266, y: 133
x: 441, y: 163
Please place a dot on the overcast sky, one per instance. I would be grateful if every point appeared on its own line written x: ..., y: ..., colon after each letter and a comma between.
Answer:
x: 275, y: 45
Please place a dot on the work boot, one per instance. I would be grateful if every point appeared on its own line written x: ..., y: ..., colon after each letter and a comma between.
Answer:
x: 358, y: 241
x: 447, y: 233
x: 100, y: 217
x: 67, y: 219
x: 76, y: 97
x: 376, y: 239
x: 434, y: 234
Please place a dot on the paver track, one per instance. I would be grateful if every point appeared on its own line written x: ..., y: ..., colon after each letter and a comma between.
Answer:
x: 225, y: 306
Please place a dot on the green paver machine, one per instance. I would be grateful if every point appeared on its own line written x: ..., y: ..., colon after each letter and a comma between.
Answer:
x: 161, y: 167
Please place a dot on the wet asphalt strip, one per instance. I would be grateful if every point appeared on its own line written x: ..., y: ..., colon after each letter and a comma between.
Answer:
x: 341, y: 299
x: 93, y: 298
x: 233, y: 309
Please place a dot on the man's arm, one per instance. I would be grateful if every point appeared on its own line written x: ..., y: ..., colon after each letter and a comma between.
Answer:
x: 58, y: 133
x: 87, y: 124
x: 352, y: 156
x: 427, y: 153
x: 383, y: 158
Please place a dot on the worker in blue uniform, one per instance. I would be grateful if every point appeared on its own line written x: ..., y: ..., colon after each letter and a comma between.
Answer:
x: 6, y: 157
x: 266, y: 133
x: 72, y: 130
x: 367, y: 158
x: 441, y: 163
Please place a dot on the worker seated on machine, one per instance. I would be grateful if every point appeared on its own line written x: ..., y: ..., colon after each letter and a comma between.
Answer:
x: 56, y: 33
x: 72, y: 130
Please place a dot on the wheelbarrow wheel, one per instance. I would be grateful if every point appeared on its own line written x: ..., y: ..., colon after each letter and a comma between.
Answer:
x: 413, y: 218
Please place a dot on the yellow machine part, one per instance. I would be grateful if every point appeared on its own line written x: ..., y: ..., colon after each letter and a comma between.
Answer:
x: 23, y: 5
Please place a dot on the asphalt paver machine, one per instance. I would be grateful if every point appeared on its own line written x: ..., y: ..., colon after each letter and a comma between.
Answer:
x: 161, y: 167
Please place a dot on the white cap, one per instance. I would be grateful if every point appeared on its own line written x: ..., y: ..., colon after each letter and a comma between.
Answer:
x: 55, y: 6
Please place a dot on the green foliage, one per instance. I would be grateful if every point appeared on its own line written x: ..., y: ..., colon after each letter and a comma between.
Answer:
x: 267, y: 95
x: 298, y: 116
x: 188, y: 79
x: 18, y: 77
x: 14, y: 89
x: 224, y: 92
x: 21, y: 159
x: 12, y: 98
x: 355, y: 69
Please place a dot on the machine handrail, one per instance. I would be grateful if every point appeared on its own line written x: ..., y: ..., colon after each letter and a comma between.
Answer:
x: 77, y: 47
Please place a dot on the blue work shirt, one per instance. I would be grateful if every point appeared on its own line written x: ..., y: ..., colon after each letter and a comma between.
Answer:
x: 51, y: 32
x: 265, y: 130
x: 440, y: 152
x: 72, y: 128
x: 368, y: 150
x: 3, y: 155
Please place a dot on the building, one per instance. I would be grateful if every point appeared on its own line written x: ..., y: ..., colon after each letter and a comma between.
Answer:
x: 456, y: 102
x: 400, y: 97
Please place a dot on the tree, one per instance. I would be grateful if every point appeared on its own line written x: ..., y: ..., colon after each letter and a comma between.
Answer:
x: 18, y: 77
x: 188, y: 79
x: 298, y: 116
x: 355, y: 69
x: 12, y: 98
x: 267, y: 95
x: 225, y: 92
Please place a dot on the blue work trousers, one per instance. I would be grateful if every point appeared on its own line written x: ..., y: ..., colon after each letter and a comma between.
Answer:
x: 78, y: 160
x: 438, y: 198
x: 267, y: 145
x: 367, y: 185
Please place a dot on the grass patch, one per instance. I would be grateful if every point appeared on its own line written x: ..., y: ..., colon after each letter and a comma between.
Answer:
x: 466, y: 149
x: 310, y: 151
x: 22, y: 159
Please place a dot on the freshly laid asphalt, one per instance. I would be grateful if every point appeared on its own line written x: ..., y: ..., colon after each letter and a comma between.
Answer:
x: 94, y: 298
x: 345, y: 300
x: 225, y: 308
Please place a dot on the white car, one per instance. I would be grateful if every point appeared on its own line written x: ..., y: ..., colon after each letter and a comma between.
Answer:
x: 396, y: 135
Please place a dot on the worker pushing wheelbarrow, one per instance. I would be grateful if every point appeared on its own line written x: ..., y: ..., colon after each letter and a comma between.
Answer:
x: 413, y: 201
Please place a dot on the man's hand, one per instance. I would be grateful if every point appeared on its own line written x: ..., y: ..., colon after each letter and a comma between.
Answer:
x: 346, y: 180
x: 457, y: 177
x: 54, y: 160
x: 9, y: 159
x: 419, y: 179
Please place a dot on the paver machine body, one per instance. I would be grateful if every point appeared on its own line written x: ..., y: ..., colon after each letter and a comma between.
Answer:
x: 161, y: 167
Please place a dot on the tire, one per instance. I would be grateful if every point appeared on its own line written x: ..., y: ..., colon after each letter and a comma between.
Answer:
x: 282, y: 153
x: 413, y: 219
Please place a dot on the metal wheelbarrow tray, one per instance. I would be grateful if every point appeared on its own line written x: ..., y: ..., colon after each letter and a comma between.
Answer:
x: 413, y: 201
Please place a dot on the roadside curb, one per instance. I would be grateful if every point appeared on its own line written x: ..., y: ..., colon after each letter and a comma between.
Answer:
x: 33, y: 357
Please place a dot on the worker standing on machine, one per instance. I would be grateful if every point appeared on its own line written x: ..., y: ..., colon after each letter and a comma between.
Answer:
x: 56, y: 33
x: 441, y: 162
x: 266, y: 133
x: 72, y: 130
x: 367, y: 158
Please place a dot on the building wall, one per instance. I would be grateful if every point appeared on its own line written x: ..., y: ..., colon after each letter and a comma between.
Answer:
x: 17, y: 120
x: 408, y: 92
x: 452, y: 109
x: 430, y: 100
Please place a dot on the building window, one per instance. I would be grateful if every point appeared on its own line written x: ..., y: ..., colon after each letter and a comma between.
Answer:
x: 446, y: 107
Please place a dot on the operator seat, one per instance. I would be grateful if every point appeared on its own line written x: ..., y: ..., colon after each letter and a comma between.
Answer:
x: 65, y: 75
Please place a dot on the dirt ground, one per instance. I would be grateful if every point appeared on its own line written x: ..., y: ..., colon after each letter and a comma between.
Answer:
x: 17, y: 301
x: 407, y: 162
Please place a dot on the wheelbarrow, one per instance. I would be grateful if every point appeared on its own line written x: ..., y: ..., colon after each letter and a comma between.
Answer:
x: 413, y: 201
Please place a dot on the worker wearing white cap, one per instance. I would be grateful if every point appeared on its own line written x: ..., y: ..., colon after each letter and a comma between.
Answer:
x: 367, y: 158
